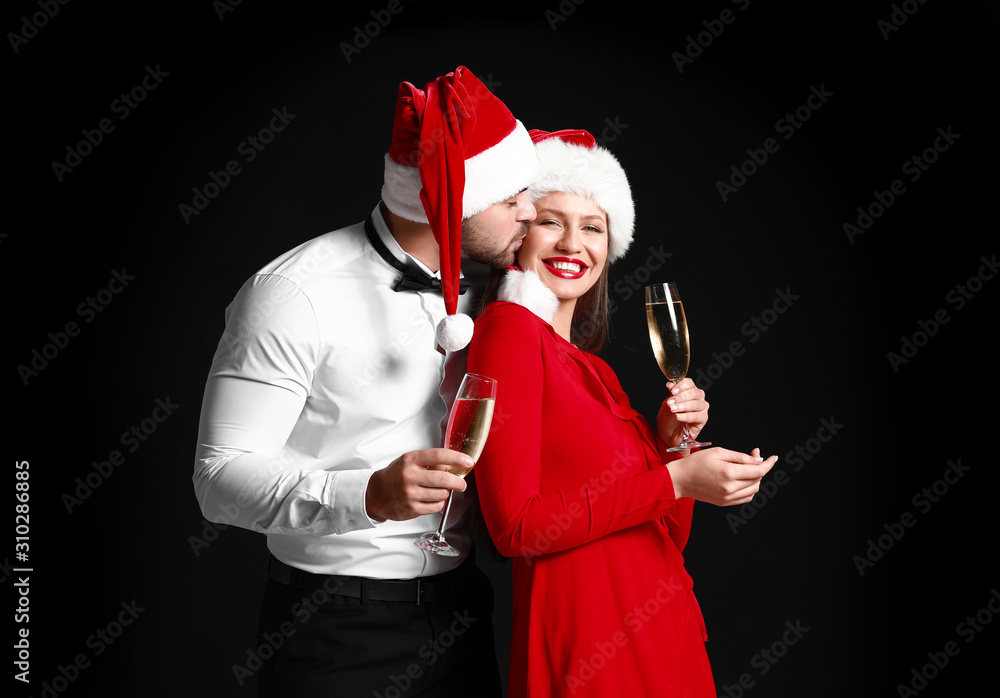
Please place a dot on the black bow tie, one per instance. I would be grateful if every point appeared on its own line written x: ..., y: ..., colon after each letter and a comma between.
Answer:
x: 414, y: 279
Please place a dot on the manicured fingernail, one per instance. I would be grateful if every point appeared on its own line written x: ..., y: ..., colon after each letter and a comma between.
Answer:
x: 758, y: 460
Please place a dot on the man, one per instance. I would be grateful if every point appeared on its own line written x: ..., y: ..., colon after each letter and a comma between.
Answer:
x: 321, y: 422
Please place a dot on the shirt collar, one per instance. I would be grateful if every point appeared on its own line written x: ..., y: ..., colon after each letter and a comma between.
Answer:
x: 382, y: 229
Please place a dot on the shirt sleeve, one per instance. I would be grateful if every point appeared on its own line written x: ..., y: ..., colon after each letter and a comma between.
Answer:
x: 508, y: 346
x: 256, y: 388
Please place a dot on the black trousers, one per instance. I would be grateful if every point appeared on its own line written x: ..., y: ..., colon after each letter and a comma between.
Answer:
x: 316, y: 644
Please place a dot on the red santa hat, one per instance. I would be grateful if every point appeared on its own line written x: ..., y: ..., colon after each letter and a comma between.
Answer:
x: 456, y: 150
x: 571, y: 161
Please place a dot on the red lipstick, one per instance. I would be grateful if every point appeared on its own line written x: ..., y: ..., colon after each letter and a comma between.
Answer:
x: 553, y: 264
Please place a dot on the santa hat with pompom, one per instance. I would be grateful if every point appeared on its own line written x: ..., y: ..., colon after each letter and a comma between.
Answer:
x: 456, y: 150
x: 571, y: 161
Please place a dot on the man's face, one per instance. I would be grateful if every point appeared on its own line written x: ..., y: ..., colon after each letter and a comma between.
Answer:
x: 493, y: 236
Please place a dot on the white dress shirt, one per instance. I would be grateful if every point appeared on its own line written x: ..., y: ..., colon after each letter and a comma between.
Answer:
x: 325, y: 374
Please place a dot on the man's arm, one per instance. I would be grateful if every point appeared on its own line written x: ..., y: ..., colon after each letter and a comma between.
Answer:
x: 254, y: 395
x: 241, y: 478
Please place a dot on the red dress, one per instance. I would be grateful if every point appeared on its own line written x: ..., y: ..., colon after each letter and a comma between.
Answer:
x: 573, y: 488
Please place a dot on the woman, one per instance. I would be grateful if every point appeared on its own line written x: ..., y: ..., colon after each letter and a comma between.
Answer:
x: 574, y: 484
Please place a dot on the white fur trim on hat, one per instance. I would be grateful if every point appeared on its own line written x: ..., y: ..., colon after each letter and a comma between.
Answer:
x: 499, y: 172
x: 594, y: 173
x: 401, y: 191
x: 526, y: 288
x: 496, y: 174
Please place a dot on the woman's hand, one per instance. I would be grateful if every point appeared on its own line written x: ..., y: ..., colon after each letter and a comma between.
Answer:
x: 686, y: 405
x: 719, y: 476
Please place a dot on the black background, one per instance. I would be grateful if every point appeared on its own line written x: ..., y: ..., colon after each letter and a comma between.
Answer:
x: 792, y: 558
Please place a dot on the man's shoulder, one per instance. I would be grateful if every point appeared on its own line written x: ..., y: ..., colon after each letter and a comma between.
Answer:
x: 313, y: 270
x: 324, y: 253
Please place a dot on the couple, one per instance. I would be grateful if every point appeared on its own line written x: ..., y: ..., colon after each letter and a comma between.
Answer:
x: 323, y: 414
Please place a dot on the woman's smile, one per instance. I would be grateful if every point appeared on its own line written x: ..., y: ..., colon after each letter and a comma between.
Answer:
x: 565, y: 267
x: 566, y: 245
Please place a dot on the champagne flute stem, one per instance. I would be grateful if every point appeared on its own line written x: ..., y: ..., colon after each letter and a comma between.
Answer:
x: 444, y: 514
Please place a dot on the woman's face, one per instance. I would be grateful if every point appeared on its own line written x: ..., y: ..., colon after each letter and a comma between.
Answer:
x: 567, y: 244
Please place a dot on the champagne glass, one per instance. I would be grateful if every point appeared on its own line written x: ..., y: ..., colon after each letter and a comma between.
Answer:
x: 668, y: 334
x: 468, y: 427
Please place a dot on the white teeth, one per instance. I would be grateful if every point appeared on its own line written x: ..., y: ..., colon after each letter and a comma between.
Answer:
x: 566, y: 266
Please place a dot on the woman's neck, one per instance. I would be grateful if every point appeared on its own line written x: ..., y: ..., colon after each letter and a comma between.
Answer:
x: 562, y: 321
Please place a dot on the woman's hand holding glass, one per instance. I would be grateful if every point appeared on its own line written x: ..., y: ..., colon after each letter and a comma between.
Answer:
x: 671, y: 344
x: 685, y: 406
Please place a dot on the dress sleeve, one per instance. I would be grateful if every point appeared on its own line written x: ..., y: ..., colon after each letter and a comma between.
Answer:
x: 523, y: 520
x: 256, y: 388
x: 678, y: 522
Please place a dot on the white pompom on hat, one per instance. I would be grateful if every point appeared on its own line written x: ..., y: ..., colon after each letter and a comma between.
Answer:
x: 571, y: 161
x: 456, y: 150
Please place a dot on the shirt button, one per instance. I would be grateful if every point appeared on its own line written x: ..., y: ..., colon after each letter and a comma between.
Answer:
x: 353, y: 523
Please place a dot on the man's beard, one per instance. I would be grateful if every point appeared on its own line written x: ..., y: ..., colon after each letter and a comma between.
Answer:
x: 481, y: 246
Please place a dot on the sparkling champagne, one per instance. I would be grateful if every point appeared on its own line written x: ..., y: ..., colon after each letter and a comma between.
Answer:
x: 668, y: 334
x: 468, y: 427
